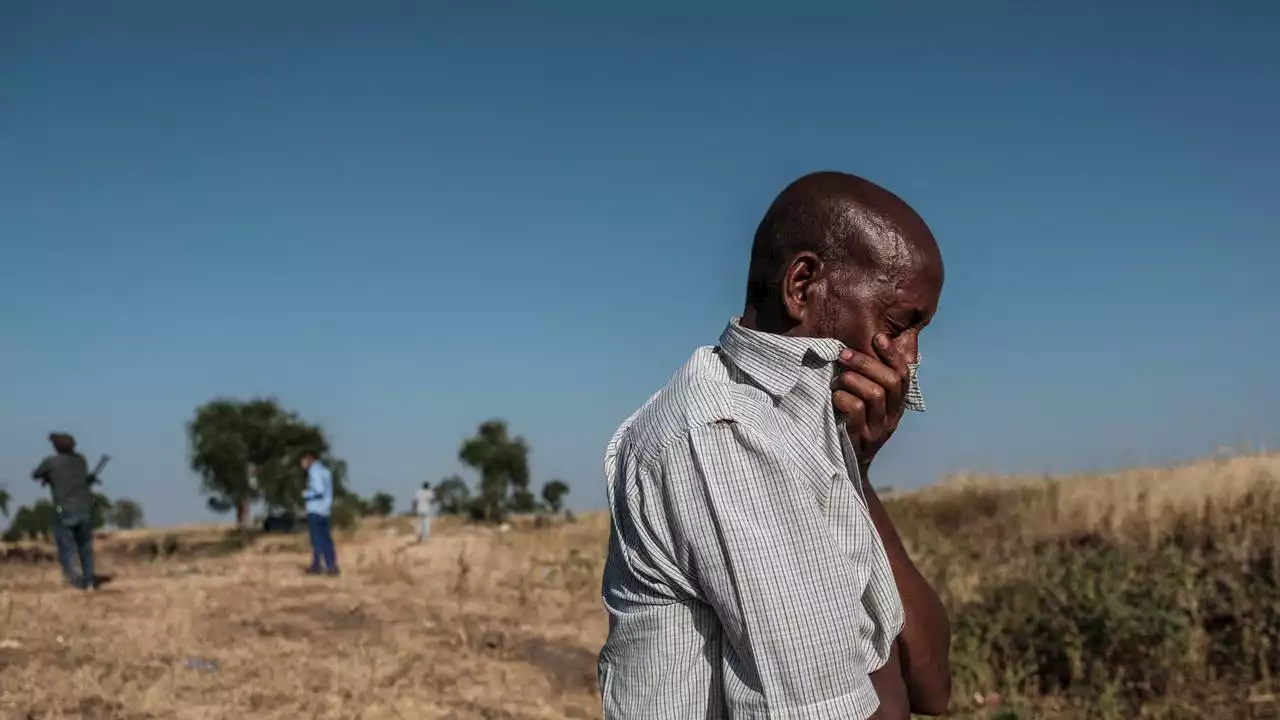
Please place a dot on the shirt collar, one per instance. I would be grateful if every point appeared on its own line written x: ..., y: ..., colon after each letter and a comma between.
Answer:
x: 774, y: 361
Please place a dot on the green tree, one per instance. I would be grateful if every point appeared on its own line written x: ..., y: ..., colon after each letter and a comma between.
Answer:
x: 33, y: 522
x: 99, y: 511
x: 347, y: 511
x: 248, y: 450
x: 36, y: 522
x: 381, y: 504
x: 125, y: 514
x: 453, y: 497
x: 523, y: 502
x: 19, y: 525
x: 503, y: 464
x: 553, y: 495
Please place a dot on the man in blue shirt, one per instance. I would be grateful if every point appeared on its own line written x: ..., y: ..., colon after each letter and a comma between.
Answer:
x: 318, y: 497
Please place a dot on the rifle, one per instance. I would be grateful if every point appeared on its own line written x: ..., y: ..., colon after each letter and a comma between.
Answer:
x: 102, y: 462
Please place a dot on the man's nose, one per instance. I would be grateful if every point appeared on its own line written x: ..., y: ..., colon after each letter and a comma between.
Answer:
x: 909, y: 345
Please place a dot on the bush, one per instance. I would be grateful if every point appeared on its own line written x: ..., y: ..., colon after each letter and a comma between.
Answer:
x: 1087, y: 620
x: 1149, y: 594
x: 125, y: 514
x: 346, y: 512
x: 281, y: 521
x: 235, y: 540
x: 381, y: 505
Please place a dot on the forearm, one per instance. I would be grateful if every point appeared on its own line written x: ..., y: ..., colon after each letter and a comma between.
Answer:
x: 926, y: 636
x: 312, y: 493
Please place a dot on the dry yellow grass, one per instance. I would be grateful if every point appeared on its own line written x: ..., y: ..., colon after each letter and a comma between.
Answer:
x: 480, y: 623
x: 477, y: 624
x: 1117, y: 499
x: 1138, y: 503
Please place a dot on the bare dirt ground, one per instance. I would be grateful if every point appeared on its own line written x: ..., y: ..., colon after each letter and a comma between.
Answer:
x: 476, y: 624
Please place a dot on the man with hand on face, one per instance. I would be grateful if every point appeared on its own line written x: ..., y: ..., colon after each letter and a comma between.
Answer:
x: 752, y: 571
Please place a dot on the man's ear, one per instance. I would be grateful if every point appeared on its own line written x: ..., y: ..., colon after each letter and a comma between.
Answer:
x: 802, y: 287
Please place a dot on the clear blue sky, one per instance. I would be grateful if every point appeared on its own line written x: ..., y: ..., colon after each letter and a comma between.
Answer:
x: 403, y: 220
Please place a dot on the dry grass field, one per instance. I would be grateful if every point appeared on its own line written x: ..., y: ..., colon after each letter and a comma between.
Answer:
x: 478, y: 624
x: 1148, y: 593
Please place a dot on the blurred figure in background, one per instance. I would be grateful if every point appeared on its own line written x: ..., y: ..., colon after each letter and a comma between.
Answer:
x: 319, y: 501
x: 66, y: 474
x: 424, y: 505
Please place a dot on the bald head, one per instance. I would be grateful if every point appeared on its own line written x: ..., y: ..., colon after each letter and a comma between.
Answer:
x: 842, y: 219
x: 839, y: 256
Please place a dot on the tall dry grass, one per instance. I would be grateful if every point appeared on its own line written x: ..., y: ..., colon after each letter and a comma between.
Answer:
x: 1145, y: 593
x: 1148, y: 593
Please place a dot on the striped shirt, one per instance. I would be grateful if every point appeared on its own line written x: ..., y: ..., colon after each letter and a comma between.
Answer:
x: 744, y: 578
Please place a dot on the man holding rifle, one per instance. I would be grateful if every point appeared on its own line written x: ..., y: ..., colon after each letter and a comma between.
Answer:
x: 67, y: 475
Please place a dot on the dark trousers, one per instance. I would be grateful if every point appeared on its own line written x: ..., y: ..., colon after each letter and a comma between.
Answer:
x: 321, y: 543
x: 74, y: 537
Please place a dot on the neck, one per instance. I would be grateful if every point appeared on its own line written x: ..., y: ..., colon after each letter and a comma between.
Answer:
x: 763, y: 319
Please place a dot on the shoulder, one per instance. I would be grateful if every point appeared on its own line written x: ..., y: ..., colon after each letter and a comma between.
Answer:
x: 704, y: 398
x: 696, y: 394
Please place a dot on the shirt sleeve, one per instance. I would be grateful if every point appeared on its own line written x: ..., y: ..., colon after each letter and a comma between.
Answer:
x: 662, y: 659
x: 41, y: 471
x: 753, y: 538
x: 316, y: 482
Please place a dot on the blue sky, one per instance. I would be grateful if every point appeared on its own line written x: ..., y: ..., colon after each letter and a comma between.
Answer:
x: 405, y: 218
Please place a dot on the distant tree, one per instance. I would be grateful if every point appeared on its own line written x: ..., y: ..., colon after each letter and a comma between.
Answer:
x: 248, y: 450
x: 503, y: 464
x: 282, y: 489
x: 33, y: 522
x: 553, y: 495
x: 523, y: 501
x: 125, y: 514
x: 99, y: 511
x: 453, y: 497
x: 381, y: 504
x: 347, y: 510
x: 37, y: 521
x: 18, y: 525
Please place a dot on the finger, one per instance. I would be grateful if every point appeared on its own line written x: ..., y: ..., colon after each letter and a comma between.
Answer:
x: 853, y: 410
x: 893, y: 381
x: 890, y: 354
x: 873, y: 396
x: 869, y: 366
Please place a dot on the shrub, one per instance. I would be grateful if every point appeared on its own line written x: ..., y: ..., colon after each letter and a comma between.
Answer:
x: 1153, y: 593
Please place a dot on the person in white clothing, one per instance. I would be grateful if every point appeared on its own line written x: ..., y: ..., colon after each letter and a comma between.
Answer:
x: 424, y: 505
